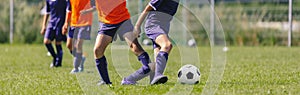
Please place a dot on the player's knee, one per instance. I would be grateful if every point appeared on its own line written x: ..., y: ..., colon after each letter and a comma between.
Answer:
x: 46, y: 41
x: 98, y: 52
x: 167, y: 46
x: 58, y: 43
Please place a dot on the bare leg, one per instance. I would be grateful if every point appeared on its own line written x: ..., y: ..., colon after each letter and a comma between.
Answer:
x: 102, y: 41
x: 143, y: 58
x: 161, y: 58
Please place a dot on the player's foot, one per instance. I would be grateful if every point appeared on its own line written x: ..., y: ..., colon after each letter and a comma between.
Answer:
x: 51, y: 65
x: 125, y: 82
x: 48, y: 54
x: 80, y: 69
x: 101, y: 82
x: 74, y: 71
x: 160, y: 80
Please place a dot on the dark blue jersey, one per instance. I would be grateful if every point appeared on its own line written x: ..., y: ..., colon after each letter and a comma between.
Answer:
x: 57, y: 11
x: 165, y: 6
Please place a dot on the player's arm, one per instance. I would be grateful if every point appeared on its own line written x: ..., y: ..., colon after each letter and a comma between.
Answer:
x: 45, y: 20
x: 88, y: 10
x: 66, y: 24
x: 91, y: 9
x: 67, y: 19
x: 137, y: 28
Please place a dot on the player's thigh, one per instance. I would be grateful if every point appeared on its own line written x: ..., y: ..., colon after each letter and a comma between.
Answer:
x: 49, y: 35
x: 84, y: 32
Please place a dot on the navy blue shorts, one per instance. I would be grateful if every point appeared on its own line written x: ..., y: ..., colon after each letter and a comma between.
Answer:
x: 54, y: 33
x: 157, y: 23
x: 82, y: 32
x: 113, y: 29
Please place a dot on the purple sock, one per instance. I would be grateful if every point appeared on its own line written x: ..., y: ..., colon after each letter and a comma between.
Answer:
x: 143, y: 71
x: 77, y: 60
x: 51, y: 50
x: 101, y: 65
x: 73, y: 52
x: 137, y: 75
x: 161, y: 62
x: 145, y: 60
x: 59, y: 55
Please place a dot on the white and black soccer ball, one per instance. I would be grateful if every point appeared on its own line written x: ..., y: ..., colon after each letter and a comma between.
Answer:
x: 189, y: 74
x: 192, y: 42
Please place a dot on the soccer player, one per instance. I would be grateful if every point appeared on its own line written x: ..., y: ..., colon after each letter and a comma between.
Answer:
x: 159, y: 15
x: 56, y: 10
x: 79, y: 15
x: 114, y: 19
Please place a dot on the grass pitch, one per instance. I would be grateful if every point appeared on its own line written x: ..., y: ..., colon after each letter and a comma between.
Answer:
x: 249, y: 70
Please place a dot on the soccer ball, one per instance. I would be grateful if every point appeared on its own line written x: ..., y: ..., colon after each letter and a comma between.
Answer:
x: 192, y: 42
x: 189, y: 74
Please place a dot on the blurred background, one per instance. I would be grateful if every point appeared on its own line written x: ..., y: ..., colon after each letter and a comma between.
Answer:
x: 244, y: 22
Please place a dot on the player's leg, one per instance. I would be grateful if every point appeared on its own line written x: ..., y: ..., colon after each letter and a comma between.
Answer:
x: 77, y: 55
x: 69, y: 43
x: 102, y: 41
x: 48, y: 37
x: 59, y: 56
x: 144, y: 58
x: 161, y: 58
x: 137, y: 49
x: 84, y: 34
x: 152, y: 65
x: 76, y: 52
x: 58, y: 41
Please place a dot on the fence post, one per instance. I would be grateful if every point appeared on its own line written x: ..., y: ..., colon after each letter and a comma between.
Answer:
x: 290, y: 36
x: 11, y: 29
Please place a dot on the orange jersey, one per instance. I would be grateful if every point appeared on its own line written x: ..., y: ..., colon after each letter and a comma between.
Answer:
x: 77, y: 19
x: 112, y: 11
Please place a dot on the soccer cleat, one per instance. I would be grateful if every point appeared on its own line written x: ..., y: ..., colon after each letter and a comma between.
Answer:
x: 74, y: 71
x: 51, y: 65
x: 48, y: 54
x: 160, y: 80
x: 80, y: 69
x: 101, y: 82
x: 125, y: 82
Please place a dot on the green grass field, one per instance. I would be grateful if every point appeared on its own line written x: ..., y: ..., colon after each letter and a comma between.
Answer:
x: 249, y: 70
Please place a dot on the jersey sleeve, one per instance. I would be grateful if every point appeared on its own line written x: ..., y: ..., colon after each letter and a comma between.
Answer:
x: 155, y: 3
x: 47, y: 7
x: 68, y: 9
